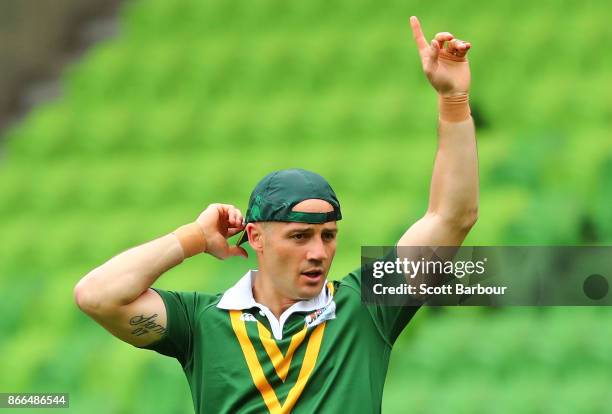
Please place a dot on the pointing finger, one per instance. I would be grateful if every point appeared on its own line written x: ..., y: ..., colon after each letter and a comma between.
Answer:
x: 417, y: 33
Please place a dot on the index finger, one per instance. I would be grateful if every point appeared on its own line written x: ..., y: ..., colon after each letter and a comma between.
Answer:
x: 417, y: 33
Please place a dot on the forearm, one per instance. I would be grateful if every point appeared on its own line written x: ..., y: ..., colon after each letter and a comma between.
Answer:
x: 125, y: 277
x: 454, y: 184
x: 453, y: 202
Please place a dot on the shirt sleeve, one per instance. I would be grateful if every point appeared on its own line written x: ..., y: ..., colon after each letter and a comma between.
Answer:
x: 182, y: 309
x: 390, y: 320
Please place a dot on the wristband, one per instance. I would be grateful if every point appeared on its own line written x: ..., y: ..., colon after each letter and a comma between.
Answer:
x: 454, y: 108
x: 191, y: 238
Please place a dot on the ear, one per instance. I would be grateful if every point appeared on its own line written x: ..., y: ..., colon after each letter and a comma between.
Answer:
x: 256, y: 234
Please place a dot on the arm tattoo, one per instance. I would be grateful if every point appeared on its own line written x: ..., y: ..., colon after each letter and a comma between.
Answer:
x: 146, y: 324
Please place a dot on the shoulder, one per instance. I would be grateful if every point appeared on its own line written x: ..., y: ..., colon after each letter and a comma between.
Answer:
x: 351, y: 281
x: 347, y: 290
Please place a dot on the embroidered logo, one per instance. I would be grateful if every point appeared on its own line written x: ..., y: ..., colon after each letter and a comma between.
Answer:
x: 321, y: 315
x: 247, y: 317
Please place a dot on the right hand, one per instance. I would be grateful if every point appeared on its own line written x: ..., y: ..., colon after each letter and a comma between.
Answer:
x: 220, y: 222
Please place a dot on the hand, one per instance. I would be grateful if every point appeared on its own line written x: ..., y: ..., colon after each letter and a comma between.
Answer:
x: 447, y: 68
x: 220, y: 222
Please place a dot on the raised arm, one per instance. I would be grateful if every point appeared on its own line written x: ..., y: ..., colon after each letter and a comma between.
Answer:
x: 117, y: 294
x: 453, y: 199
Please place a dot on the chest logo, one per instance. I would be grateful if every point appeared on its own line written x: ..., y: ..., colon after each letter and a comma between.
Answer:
x: 321, y: 315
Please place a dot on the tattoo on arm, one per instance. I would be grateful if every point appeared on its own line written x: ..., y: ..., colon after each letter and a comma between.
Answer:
x: 146, y: 324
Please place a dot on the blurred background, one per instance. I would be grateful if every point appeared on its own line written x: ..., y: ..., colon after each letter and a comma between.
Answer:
x: 123, y: 120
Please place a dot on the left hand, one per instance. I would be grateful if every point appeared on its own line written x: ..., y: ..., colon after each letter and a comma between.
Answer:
x: 447, y: 67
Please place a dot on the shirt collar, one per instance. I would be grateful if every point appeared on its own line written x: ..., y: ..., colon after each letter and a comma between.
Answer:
x: 240, y: 296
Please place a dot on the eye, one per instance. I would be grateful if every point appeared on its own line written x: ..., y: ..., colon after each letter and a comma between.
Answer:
x: 329, y: 236
x: 298, y: 236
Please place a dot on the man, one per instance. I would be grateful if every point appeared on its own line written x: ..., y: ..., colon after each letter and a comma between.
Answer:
x: 284, y: 339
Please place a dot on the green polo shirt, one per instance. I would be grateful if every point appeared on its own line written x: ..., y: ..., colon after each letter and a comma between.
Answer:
x: 326, y: 355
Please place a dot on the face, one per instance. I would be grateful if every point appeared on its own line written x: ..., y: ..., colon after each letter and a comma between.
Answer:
x: 296, y: 257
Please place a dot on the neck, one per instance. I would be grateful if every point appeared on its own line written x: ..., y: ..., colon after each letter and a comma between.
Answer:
x: 266, y: 294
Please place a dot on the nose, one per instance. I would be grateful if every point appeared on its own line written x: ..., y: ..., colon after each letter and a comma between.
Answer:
x: 316, y: 250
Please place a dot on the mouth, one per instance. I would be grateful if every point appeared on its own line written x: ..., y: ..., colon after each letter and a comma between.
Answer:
x: 313, y: 275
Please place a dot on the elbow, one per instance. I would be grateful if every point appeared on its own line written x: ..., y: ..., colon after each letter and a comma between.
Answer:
x: 469, y: 219
x: 82, y: 298
x: 86, y: 298
x: 463, y: 221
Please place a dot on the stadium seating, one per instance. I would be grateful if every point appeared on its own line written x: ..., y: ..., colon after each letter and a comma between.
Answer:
x: 194, y: 101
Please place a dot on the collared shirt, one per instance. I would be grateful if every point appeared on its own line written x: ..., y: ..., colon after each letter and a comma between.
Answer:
x: 240, y: 296
x: 326, y: 355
